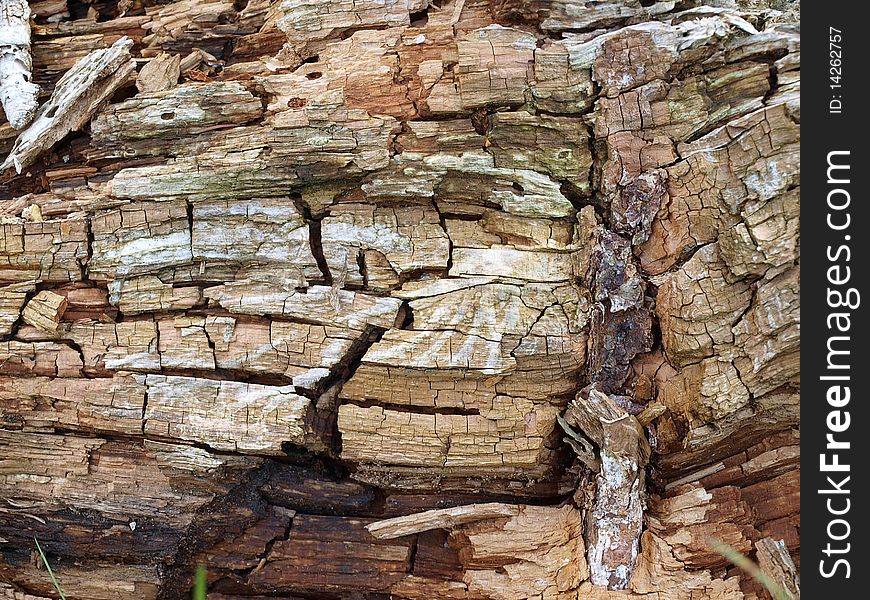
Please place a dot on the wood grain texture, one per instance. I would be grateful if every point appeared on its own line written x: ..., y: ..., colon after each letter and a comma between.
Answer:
x: 472, y: 299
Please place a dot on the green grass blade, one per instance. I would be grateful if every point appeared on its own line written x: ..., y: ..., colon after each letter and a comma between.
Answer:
x: 750, y: 567
x: 48, y: 568
x: 200, y: 584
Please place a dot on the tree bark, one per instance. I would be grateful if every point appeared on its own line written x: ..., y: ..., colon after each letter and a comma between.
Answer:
x: 462, y: 299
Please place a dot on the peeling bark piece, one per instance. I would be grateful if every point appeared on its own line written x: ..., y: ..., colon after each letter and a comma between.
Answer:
x: 160, y: 73
x: 615, y: 339
x: 776, y: 563
x: 52, y: 251
x: 76, y: 97
x: 616, y: 278
x: 637, y: 204
x: 320, y: 304
x: 12, y: 300
x: 616, y: 519
x: 446, y: 518
x: 86, y: 405
x: 45, y: 310
x: 226, y: 415
x: 17, y: 93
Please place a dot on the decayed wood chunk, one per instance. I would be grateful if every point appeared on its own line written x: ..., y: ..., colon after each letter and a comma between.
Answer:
x: 410, y: 239
x: 307, y: 23
x: 75, y: 99
x: 147, y: 293
x: 697, y: 306
x: 325, y: 305
x: 39, y: 358
x: 160, y: 73
x: 505, y: 440
x: 138, y: 239
x: 313, y: 140
x: 440, y: 519
x: 776, y: 563
x: 305, y: 353
x: 89, y: 405
x: 51, y: 251
x: 130, y: 345
x: 12, y: 300
x: 137, y: 126
x: 226, y: 415
x: 318, y: 549
x: 717, y: 174
x: 537, y: 554
x: 45, y: 310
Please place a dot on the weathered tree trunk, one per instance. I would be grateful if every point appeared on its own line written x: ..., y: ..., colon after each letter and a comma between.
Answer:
x: 460, y: 299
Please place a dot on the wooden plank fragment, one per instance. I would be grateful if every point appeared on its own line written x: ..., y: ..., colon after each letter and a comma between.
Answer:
x: 75, y: 99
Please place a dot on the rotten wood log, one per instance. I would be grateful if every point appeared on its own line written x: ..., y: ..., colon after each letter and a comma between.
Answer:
x: 474, y: 299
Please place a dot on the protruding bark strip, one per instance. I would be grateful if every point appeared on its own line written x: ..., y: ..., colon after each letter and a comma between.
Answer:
x: 18, y: 93
x: 615, y: 522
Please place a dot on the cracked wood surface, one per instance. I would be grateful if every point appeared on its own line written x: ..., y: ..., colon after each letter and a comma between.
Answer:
x: 471, y: 299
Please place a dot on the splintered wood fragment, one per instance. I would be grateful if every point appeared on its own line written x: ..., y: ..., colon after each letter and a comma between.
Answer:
x: 776, y: 562
x: 76, y: 98
x: 444, y: 518
x: 17, y: 93
x: 160, y: 73
x: 45, y: 310
x: 615, y: 522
